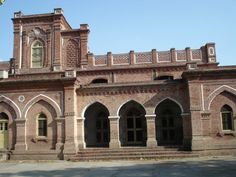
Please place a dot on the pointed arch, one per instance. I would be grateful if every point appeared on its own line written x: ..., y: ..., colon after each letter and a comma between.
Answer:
x: 37, y: 54
x: 96, y: 125
x: 169, y: 122
x: 44, y: 98
x: 11, y: 104
x: 227, y: 117
x: 219, y: 90
x: 171, y: 99
x: 89, y: 105
x: 132, y: 124
x: 128, y: 101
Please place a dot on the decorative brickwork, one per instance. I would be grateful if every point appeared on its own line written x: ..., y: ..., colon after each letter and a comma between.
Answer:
x: 151, y: 99
x: 196, y: 54
x: 72, y: 54
x: 144, y: 57
x: 181, y: 55
x: 164, y: 56
x: 100, y: 60
x: 119, y: 59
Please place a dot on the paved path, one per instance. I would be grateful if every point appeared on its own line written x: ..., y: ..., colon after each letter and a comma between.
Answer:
x: 200, y: 167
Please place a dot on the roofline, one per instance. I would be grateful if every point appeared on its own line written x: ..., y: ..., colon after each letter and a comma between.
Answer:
x: 20, y: 15
x: 220, y: 71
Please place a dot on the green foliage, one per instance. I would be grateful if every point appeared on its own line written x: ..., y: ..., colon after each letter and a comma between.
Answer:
x: 1, y: 2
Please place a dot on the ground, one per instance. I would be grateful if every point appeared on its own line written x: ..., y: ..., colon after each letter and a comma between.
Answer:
x: 196, y: 167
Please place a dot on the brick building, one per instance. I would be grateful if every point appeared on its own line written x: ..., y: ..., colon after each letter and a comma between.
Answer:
x: 58, y: 99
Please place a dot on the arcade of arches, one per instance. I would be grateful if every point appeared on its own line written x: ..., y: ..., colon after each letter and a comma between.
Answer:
x: 57, y: 97
x: 133, y: 124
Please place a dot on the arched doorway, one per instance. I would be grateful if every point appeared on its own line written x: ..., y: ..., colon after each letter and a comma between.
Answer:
x: 133, y: 127
x: 169, y: 124
x: 97, y: 127
x: 3, y: 130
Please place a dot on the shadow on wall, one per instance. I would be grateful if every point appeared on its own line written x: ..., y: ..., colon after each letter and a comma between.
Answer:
x: 216, y: 168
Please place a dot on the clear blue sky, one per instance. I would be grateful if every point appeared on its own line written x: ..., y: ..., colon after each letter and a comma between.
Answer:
x: 140, y: 25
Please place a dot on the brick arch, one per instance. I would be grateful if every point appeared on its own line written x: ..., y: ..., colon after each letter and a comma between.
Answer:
x: 224, y: 98
x: 72, y: 54
x: 130, y: 112
x: 45, y: 98
x: 219, y: 90
x: 171, y: 99
x: 91, y: 104
x: 128, y: 101
x: 12, y: 104
x: 93, y: 114
x: 11, y: 114
x: 41, y: 106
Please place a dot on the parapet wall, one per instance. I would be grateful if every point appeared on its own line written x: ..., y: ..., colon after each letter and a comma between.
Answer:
x: 205, y: 54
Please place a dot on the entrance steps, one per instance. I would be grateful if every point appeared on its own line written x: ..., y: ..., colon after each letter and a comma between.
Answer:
x: 35, y: 155
x: 131, y: 153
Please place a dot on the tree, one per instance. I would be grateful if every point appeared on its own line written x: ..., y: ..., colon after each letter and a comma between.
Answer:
x: 1, y: 2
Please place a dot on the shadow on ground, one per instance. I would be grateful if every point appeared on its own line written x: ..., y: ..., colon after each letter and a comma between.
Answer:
x: 214, y: 168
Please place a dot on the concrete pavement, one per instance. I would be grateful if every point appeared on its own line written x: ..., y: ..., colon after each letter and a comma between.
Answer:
x: 199, y: 167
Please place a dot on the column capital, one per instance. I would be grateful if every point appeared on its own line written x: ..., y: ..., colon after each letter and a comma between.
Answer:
x: 185, y: 115
x: 113, y: 117
x: 80, y: 119
x: 150, y: 116
x: 60, y: 119
x: 20, y: 121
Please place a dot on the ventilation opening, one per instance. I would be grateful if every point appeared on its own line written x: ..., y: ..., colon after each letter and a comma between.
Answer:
x: 100, y: 81
x: 164, y: 78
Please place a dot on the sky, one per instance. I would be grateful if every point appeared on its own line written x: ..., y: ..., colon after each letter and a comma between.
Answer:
x: 140, y: 25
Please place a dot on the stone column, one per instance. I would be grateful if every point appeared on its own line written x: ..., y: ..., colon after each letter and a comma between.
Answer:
x: 197, y: 137
x: 80, y: 132
x: 70, y: 98
x: 151, y: 130
x: 60, y: 133
x: 186, y: 130
x: 21, y: 144
x: 114, y: 132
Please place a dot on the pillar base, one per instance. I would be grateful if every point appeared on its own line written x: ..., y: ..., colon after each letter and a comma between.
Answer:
x: 114, y: 144
x: 151, y: 142
x: 81, y: 145
x: 20, y: 147
x: 198, y: 144
x: 70, y: 148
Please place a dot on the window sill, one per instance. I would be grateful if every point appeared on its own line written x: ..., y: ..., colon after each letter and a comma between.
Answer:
x: 227, y: 133
x: 41, y: 138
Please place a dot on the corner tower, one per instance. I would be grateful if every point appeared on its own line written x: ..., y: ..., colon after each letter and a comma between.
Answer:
x: 46, y: 42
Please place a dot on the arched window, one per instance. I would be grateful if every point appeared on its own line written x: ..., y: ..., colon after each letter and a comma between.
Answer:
x: 42, y: 125
x: 3, y: 121
x: 227, y: 117
x: 37, y: 55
